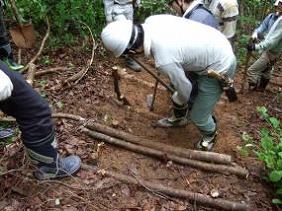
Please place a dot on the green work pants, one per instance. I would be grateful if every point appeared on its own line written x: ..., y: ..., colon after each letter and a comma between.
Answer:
x: 261, y: 68
x: 209, y: 92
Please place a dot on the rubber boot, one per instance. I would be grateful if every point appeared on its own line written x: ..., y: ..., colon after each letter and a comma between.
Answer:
x: 262, y: 84
x: 178, y: 119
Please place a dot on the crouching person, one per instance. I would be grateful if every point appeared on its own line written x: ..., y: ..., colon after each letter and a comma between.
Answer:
x: 33, y: 115
x: 180, y: 46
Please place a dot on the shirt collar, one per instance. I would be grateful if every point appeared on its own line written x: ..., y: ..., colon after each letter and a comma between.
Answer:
x: 191, y: 6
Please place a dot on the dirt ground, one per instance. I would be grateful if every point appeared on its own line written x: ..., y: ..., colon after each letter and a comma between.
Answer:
x: 93, y: 98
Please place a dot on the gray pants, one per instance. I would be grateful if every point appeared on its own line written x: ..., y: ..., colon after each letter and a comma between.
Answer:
x: 119, y: 12
x: 261, y: 68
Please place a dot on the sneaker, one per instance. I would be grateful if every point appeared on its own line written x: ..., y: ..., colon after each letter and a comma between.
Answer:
x: 12, y: 64
x: 64, y: 167
x: 207, y: 142
x: 133, y: 65
x: 6, y: 132
x: 173, y: 122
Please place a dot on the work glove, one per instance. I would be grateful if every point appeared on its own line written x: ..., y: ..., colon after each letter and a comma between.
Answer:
x: 255, y: 36
x: 251, y: 47
x: 136, y: 3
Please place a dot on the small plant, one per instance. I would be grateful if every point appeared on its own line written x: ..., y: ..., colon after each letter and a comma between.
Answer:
x: 269, y: 151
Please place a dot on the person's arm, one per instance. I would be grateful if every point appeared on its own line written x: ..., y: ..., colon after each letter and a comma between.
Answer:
x: 6, y: 86
x: 272, y: 38
x: 263, y: 27
x: 180, y: 82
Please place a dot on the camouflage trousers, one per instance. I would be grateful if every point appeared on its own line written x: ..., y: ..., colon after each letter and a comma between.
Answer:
x: 262, y: 67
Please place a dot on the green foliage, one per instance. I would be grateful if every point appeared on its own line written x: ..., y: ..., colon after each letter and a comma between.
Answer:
x: 152, y: 8
x: 65, y: 17
x: 270, y: 149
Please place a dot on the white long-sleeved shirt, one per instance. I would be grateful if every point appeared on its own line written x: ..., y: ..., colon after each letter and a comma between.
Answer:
x: 273, y: 39
x: 180, y: 45
x: 6, y: 86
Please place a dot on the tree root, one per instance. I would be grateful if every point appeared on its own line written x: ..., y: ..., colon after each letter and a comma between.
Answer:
x: 195, y: 198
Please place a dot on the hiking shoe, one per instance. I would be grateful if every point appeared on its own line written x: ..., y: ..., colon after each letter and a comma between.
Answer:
x: 6, y: 132
x: 133, y: 65
x: 207, y: 142
x: 173, y: 122
x: 12, y: 64
x: 64, y: 167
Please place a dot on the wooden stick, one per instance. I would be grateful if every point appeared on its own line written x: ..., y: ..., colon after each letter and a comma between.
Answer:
x: 187, y: 153
x: 194, y: 198
x: 223, y: 169
x: 148, y: 69
x: 52, y: 70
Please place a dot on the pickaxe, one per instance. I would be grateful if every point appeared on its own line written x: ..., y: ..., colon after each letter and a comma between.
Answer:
x: 158, y: 80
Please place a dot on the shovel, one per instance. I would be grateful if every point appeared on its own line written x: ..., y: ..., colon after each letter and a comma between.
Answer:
x: 22, y: 35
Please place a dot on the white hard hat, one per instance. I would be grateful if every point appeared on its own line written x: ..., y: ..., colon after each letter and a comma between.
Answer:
x: 277, y: 2
x: 116, y: 36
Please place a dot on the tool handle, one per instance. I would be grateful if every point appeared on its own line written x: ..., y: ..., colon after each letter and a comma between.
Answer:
x: 169, y: 88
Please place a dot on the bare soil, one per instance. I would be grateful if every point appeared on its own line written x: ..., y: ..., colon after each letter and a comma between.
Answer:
x: 93, y: 98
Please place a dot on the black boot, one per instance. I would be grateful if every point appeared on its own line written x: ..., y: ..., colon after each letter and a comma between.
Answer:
x: 262, y: 84
x: 253, y: 86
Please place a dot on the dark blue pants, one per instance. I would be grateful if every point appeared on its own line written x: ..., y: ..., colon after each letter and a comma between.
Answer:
x: 30, y: 110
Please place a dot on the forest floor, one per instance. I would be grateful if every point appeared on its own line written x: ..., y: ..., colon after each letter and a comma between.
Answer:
x: 116, y: 178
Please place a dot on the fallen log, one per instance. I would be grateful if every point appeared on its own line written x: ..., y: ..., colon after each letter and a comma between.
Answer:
x: 219, y: 168
x: 194, y: 198
x: 187, y: 153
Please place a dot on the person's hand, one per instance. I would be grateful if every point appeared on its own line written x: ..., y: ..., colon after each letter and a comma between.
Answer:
x: 255, y: 37
x: 137, y: 3
x: 251, y: 47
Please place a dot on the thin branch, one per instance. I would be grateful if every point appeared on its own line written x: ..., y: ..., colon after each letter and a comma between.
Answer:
x: 94, y: 47
x: 42, y: 43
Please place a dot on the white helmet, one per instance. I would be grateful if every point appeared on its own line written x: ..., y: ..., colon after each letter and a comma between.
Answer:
x: 277, y: 2
x: 116, y: 36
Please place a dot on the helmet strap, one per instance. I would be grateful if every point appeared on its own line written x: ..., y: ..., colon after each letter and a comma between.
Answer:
x: 136, y: 40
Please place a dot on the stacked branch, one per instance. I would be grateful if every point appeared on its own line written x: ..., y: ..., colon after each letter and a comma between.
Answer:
x: 217, y: 162
x: 194, y: 198
x: 212, y: 167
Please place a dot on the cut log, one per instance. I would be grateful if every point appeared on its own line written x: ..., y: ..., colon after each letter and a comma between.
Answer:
x: 219, y: 168
x: 187, y: 153
x: 194, y: 198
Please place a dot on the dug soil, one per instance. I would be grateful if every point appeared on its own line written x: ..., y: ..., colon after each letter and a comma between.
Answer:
x: 116, y: 177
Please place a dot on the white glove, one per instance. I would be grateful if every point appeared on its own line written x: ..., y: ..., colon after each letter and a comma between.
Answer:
x: 255, y: 36
x: 176, y: 99
x: 137, y: 3
x: 6, y: 86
